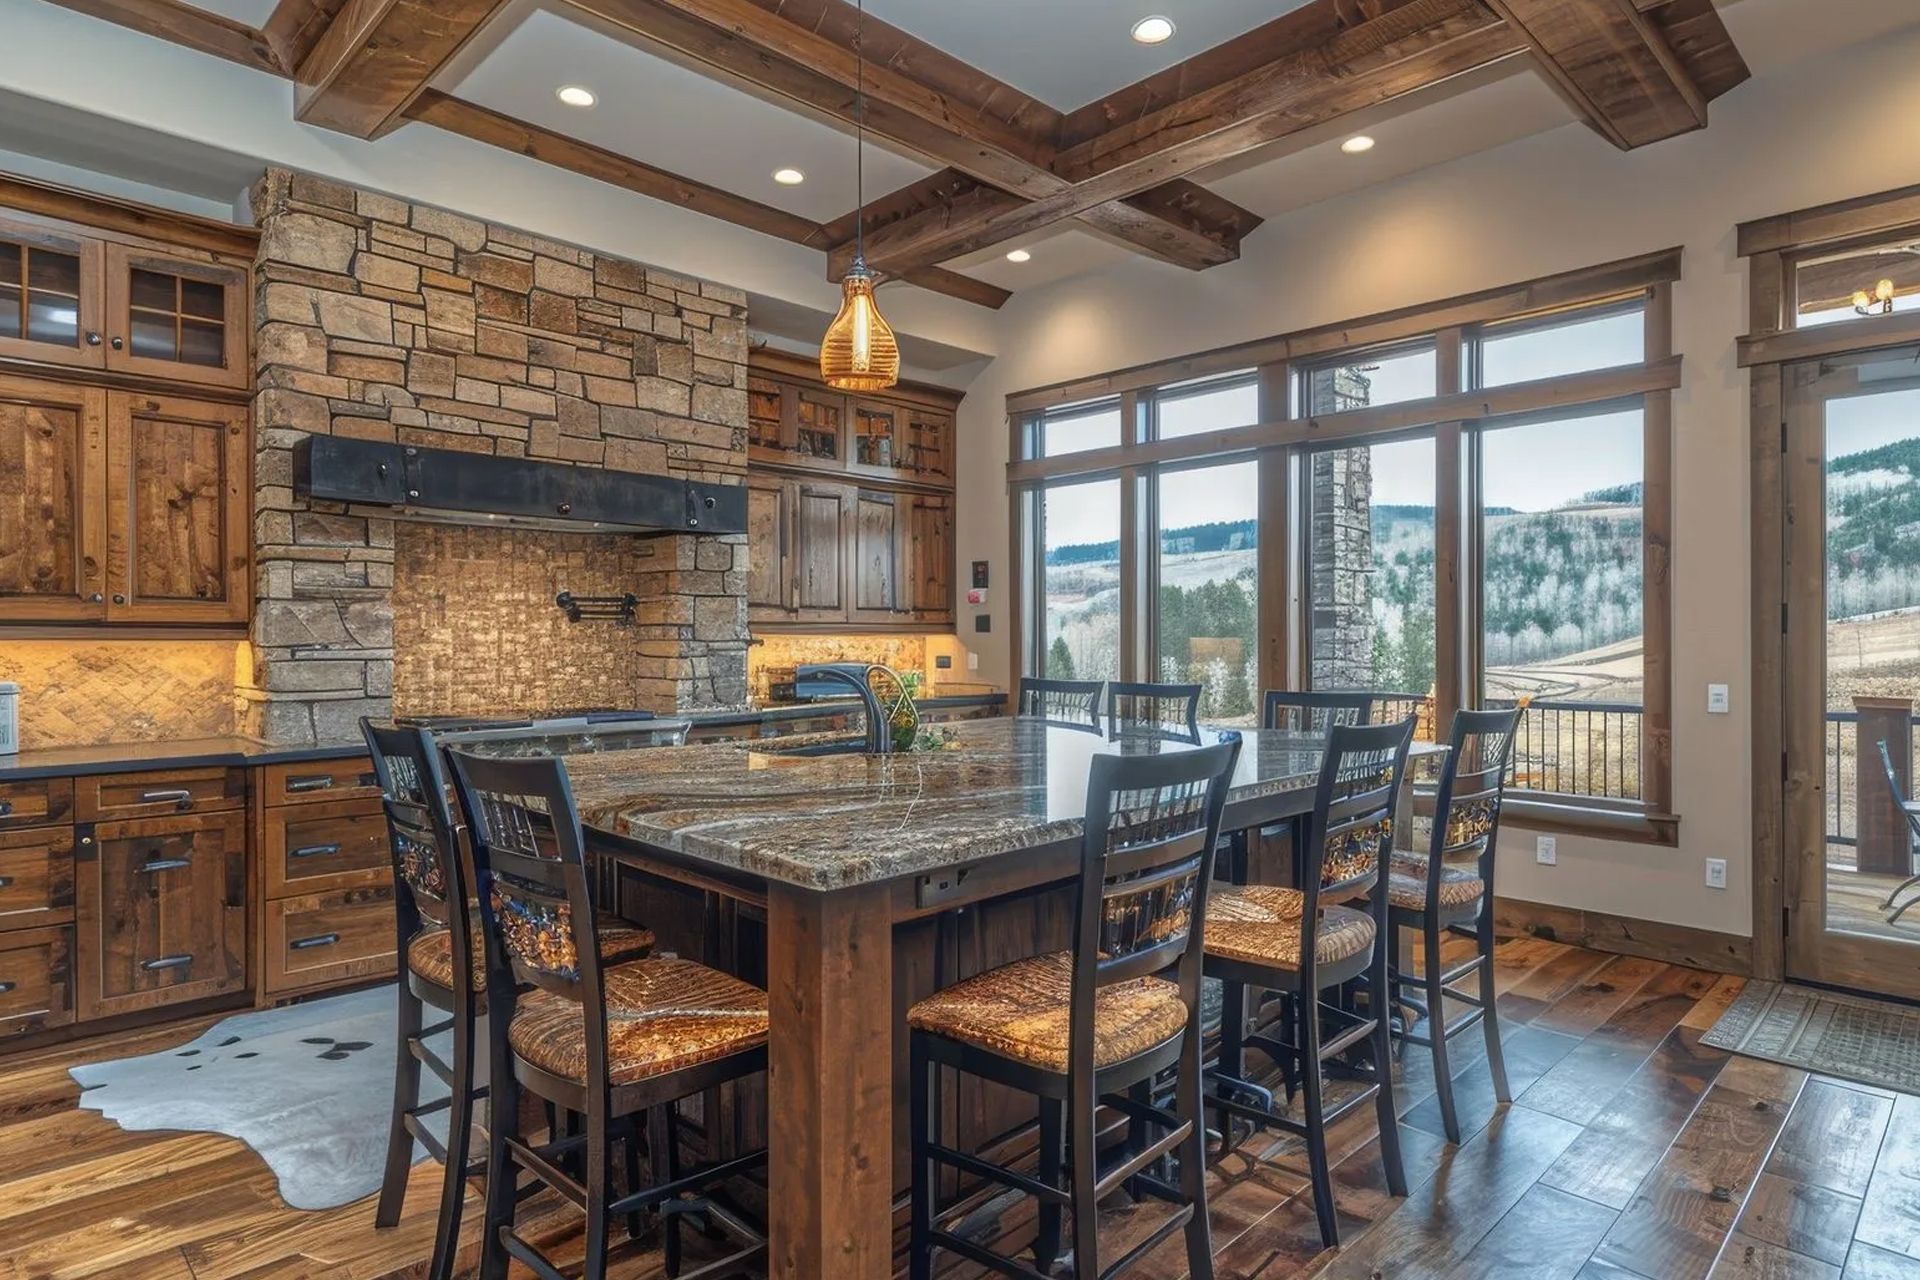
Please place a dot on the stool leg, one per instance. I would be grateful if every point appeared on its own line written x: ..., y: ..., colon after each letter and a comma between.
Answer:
x: 1380, y: 1008
x: 598, y: 1181
x: 666, y: 1167
x: 503, y: 1118
x: 1489, y: 997
x: 923, y: 1124
x: 1086, y: 1176
x: 1437, y: 1029
x: 1046, y: 1241
x: 453, y: 1186
x: 630, y: 1160
x: 406, y: 1096
x: 1318, y: 1167
x: 1193, y: 1159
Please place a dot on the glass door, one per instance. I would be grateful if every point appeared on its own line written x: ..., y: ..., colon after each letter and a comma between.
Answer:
x: 1851, y: 679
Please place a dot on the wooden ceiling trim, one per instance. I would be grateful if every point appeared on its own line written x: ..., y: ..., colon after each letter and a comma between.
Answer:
x: 377, y: 56
x: 760, y: 49
x: 128, y: 218
x: 1297, y: 93
x: 481, y: 124
x: 183, y: 24
x: 295, y: 26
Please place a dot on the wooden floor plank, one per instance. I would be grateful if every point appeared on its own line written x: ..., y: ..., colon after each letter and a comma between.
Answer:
x: 1582, y: 1084
x: 1867, y: 1262
x: 1548, y: 1235
x: 1890, y: 1216
x: 1529, y: 1053
x: 1746, y: 1258
x: 1814, y: 1221
x: 1587, y: 1007
x: 1833, y: 1137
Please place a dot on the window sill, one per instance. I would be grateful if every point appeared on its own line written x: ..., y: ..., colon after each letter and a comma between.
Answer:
x: 1568, y: 814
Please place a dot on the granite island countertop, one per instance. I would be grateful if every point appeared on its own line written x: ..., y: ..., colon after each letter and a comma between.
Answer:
x: 834, y: 821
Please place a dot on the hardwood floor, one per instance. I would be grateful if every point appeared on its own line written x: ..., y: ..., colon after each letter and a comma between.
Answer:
x: 1632, y: 1152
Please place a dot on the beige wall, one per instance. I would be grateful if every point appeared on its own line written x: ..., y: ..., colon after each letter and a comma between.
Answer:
x: 1834, y: 127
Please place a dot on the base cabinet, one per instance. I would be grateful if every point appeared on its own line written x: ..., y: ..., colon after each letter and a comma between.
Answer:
x: 321, y: 939
x: 160, y: 912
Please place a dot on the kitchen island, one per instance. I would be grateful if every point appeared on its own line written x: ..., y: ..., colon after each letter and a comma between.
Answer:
x: 882, y: 879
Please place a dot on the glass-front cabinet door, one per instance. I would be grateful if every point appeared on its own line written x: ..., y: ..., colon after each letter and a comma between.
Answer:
x: 50, y: 296
x: 820, y: 420
x: 175, y: 318
x: 1851, y: 675
x: 876, y: 436
x: 929, y: 445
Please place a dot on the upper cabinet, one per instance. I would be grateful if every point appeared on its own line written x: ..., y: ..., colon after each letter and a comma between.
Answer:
x: 794, y: 421
x: 53, y: 540
x: 51, y: 296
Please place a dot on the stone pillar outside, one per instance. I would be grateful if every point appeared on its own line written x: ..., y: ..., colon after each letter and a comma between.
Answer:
x: 1885, y: 840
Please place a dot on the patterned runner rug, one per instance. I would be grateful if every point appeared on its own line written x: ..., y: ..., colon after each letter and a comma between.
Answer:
x: 1851, y: 1037
x: 307, y: 1086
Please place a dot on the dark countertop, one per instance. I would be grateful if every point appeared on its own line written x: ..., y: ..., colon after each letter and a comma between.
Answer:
x: 193, y: 753
x: 1000, y: 786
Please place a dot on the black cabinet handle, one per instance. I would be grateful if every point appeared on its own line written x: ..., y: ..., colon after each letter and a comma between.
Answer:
x: 311, y: 782
x: 317, y: 940
x: 119, y: 344
x: 179, y: 797
x: 166, y: 962
x: 164, y: 864
x: 6, y: 807
x: 313, y: 851
x: 6, y: 882
x: 7, y: 986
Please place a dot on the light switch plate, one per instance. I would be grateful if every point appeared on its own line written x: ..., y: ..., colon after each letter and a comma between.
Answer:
x: 1716, y: 873
x: 1717, y: 699
x: 973, y: 662
x: 1546, y: 852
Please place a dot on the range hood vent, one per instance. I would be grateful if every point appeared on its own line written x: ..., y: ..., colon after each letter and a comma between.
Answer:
x: 449, y: 484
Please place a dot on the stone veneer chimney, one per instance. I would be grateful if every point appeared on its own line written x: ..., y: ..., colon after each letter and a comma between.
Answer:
x: 385, y: 320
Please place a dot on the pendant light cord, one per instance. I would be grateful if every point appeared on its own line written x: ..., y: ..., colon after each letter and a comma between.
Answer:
x: 860, y: 136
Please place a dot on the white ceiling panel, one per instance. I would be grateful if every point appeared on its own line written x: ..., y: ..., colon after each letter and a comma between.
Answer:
x: 1067, y: 53
x: 674, y: 118
x: 1062, y: 250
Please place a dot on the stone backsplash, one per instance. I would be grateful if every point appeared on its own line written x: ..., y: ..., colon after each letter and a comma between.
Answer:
x: 77, y: 693
x: 386, y: 320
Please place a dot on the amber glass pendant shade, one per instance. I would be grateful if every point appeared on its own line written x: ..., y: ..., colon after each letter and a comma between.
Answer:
x: 859, y: 352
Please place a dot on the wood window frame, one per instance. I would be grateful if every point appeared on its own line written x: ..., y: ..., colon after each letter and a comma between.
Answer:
x: 1288, y: 433
x: 1773, y: 248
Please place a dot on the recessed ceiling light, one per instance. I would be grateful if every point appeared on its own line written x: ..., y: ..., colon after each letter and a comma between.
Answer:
x: 1019, y: 255
x: 1153, y: 30
x: 1356, y: 144
x: 575, y: 95
x: 789, y: 177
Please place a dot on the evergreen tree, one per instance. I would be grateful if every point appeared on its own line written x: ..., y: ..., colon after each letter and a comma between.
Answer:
x: 1059, y: 660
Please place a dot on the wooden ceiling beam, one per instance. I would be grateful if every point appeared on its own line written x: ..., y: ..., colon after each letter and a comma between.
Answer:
x: 295, y: 26
x: 1613, y: 63
x: 482, y: 124
x: 184, y: 24
x: 984, y: 130
x: 377, y: 56
x: 1405, y: 49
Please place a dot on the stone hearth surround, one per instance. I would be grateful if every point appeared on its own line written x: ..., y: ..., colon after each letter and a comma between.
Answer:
x: 386, y: 320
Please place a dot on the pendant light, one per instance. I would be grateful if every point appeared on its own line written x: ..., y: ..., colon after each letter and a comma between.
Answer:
x: 859, y: 352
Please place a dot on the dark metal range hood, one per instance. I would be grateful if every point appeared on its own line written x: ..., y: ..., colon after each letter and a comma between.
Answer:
x: 449, y: 484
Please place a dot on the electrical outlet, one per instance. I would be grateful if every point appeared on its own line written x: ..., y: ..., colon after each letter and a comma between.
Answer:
x: 1716, y: 873
x: 1546, y: 852
x: 973, y: 662
x: 1716, y: 700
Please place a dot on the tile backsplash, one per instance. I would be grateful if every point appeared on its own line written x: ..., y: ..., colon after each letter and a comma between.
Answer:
x: 903, y: 653
x: 78, y: 693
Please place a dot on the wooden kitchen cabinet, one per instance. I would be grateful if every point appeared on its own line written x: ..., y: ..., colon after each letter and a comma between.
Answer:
x: 822, y: 520
x: 877, y: 526
x: 52, y: 295
x: 175, y: 318
x: 929, y: 559
x: 178, y: 542
x: 324, y: 939
x: 160, y: 909
x: 53, y: 516
x: 769, y: 549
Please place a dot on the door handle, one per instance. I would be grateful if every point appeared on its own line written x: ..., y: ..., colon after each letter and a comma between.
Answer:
x: 166, y: 962
x: 164, y: 864
x: 179, y: 797
x: 317, y: 940
x: 313, y: 851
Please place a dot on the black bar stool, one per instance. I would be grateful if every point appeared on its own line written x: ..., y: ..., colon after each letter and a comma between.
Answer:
x: 1093, y: 1026
x: 439, y: 941
x: 1300, y: 942
x: 610, y: 1042
x: 1449, y: 886
x: 1153, y: 709
x: 1073, y: 701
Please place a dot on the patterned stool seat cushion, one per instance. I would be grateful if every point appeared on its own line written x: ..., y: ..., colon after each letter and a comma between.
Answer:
x: 1259, y: 924
x: 430, y: 953
x: 1460, y: 886
x: 1022, y: 1011
x: 663, y: 1014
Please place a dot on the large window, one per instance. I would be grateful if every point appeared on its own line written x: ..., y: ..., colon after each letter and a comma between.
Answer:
x: 1826, y: 286
x: 1561, y: 597
x: 1208, y: 603
x: 1384, y: 532
x: 1080, y: 552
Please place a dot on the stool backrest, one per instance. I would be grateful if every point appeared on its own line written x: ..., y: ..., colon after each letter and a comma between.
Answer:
x: 1466, y: 803
x: 1153, y: 709
x: 1146, y: 866
x: 536, y: 907
x: 429, y: 882
x: 1348, y: 838
x: 1071, y: 701
x: 1309, y: 711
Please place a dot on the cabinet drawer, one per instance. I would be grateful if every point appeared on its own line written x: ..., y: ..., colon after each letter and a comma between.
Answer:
x: 36, y: 878
x: 305, y: 848
x: 318, y: 781
x: 159, y: 794
x: 39, y: 802
x: 160, y: 912
x: 36, y: 980
x: 321, y: 938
